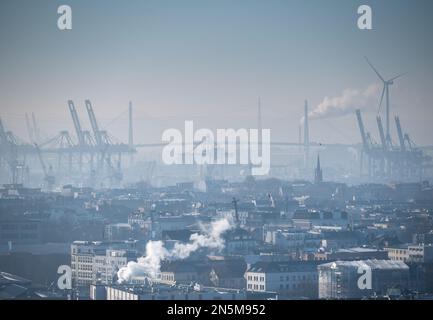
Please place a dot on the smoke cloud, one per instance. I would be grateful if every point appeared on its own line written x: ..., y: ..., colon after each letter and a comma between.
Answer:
x: 348, y: 102
x: 150, y: 264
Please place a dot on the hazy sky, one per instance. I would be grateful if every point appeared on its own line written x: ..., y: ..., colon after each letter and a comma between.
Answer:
x: 208, y: 61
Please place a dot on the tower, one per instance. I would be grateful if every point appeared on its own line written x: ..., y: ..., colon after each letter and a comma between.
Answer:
x: 318, y: 176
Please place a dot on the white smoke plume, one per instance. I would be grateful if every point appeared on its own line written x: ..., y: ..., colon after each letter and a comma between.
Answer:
x: 348, y: 102
x: 150, y: 264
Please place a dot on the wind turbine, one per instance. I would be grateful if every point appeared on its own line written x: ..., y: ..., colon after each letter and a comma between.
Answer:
x: 386, y: 84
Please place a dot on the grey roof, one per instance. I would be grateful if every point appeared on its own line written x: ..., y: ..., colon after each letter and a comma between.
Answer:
x: 276, y: 267
x: 373, y: 264
x: 229, y: 269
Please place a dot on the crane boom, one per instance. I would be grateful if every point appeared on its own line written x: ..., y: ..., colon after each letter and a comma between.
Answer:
x: 93, y: 122
x: 381, y: 132
x: 77, y: 124
x: 400, y: 134
x: 362, y: 129
x: 3, y: 136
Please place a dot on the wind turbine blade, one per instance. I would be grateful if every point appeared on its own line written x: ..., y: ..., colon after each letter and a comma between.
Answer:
x: 374, y: 69
x: 381, y: 99
x: 399, y: 76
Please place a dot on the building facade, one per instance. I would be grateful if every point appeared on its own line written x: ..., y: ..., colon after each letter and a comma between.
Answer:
x: 342, y: 279
x: 294, y: 279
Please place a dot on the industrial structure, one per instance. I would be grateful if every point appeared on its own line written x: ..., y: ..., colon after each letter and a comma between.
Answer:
x: 389, y: 160
x: 403, y: 161
x: 92, y: 157
x: 93, y: 154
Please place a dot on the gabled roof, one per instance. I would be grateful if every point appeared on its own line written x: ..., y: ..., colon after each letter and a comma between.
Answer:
x: 373, y: 264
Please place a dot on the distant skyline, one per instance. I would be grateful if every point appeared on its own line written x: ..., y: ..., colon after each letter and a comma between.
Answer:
x: 209, y: 61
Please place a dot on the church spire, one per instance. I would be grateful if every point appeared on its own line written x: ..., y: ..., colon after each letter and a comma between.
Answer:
x: 318, y: 177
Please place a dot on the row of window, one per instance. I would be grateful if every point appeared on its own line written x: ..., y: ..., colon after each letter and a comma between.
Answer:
x: 83, y: 259
x: 85, y: 267
x: 255, y: 278
x: 299, y: 278
x: 256, y: 287
x: 87, y: 275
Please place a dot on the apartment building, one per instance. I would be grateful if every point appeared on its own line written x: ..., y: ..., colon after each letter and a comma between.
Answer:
x: 291, y: 279
x: 99, y: 261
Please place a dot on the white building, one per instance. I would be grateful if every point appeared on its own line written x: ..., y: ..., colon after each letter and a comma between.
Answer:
x: 99, y: 261
x: 292, y: 239
x: 292, y: 279
x: 411, y: 253
x: 164, y: 292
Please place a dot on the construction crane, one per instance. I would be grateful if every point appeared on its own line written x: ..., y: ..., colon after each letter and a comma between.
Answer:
x: 382, y: 134
x: 77, y: 125
x: 362, y: 130
x: 93, y: 123
x: 9, y: 152
x: 48, y: 175
x: 400, y: 134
